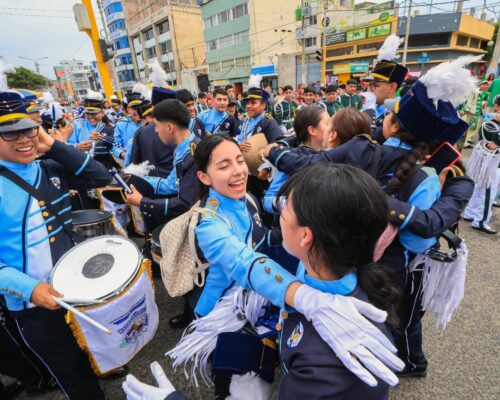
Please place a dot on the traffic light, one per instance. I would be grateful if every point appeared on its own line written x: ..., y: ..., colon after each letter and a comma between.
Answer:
x: 107, y: 51
x: 319, y: 55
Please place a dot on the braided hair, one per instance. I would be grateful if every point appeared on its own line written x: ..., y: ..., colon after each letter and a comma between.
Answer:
x: 406, y: 166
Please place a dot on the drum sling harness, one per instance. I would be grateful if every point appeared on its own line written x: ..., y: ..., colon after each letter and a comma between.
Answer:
x: 34, y: 192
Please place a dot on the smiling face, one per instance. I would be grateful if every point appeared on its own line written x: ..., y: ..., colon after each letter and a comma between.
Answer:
x: 220, y: 102
x: 21, y: 151
x: 191, y: 106
x: 255, y: 107
x: 227, y: 172
x: 308, y: 98
x: 94, y: 119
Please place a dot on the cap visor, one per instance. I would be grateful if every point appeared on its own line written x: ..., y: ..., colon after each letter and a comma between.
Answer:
x: 23, y: 123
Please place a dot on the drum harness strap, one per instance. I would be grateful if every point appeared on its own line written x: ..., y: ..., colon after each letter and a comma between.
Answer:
x: 34, y: 192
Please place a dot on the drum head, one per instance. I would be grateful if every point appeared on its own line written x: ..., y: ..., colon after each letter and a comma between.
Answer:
x: 114, y: 195
x: 156, y: 235
x: 84, y: 217
x: 97, y: 268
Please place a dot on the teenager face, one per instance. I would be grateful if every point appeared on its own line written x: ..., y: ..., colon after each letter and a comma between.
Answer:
x: 227, y: 172
x: 308, y: 98
x: 133, y: 114
x: 318, y: 132
x: 230, y: 92
x: 255, y: 107
x: 20, y: 151
x: 231, y: 110
x: 202, y: 101
x: 351, y: 88
x: 191, y: 106
x: 388, y: 128
x: 483, y: 87
x: 288, y: 95
x: 94, y: 119
x: 220, y: 102
x: 331, y: 97
x: 383, y: 90
x: 165, y: 131
x: 296, y: 239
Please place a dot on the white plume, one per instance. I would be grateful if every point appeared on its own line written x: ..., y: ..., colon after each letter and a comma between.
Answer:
x: 254, y: 81
x: 47, y: 98
x: 157, y: 76
x: 389, y: 49
x: 141, y: 170
x: 5, y: 69
x: 142, y: 89
x: 451, y: 81
x: 91, y: 95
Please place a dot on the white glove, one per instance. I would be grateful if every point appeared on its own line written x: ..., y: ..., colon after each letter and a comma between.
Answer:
x: 137, y: 390
x: 340, y: 321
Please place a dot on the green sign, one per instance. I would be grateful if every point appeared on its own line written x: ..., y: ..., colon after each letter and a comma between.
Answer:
x: 359, y: 67
x: 356, y: 34
x: 379, y: 30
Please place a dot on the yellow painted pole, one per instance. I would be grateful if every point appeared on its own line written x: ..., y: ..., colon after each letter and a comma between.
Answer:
x: 101, y: 64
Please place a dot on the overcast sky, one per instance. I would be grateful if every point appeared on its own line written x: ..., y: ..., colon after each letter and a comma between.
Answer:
x: 42, y: 28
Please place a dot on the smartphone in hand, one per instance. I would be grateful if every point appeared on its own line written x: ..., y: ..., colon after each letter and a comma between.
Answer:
x: 444, y: 156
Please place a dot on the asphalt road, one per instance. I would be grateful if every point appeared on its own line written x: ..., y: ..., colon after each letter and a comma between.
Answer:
x: 464, y: 360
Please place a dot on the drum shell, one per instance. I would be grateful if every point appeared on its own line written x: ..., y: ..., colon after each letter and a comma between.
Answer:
x: 90, y: 230
x: 252, y: 159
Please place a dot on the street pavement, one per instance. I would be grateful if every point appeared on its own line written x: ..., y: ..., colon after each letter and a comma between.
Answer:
x: 464, y: 360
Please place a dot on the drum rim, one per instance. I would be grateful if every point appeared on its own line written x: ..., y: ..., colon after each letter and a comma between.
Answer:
x: 116, y: 291
x: 79, y: 212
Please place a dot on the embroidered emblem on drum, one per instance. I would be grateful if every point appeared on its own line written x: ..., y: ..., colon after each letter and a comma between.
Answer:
x: 56, y: 181
x: 98, y: 265
x: 134, y: 322
x: 296, y: 335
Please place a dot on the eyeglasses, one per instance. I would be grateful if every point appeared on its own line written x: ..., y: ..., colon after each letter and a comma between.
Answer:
x: 14, y: 135
x: 375, y: 85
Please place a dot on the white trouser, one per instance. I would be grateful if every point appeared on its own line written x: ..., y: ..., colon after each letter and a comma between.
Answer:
x: 479, y: 207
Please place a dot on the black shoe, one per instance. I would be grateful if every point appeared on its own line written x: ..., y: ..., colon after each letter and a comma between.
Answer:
x: 484, y: 227
x: 468, y: 219
x: 412, y: 373
x: 116, y: 373
x: 496, y: 204
x: 11, y: 390
x: 179, y: 321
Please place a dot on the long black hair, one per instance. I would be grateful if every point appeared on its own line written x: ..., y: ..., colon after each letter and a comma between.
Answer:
x: 347, y: 212
x: 203, y: 155
x: 306, y: 117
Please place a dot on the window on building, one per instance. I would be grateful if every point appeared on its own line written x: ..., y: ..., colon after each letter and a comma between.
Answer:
x: 113, y: 8
x: 151, y: 51
x: 166, y: 47
x: 117, y: 25
x: 163, y: 27
x: 365, y: 48
x: 211, y: 45
x: 310, y: 42
x: 126, y: 75
x: 148, y: 34
x: 474, y: 43
x: 343, y: 3
x: 242, y: 62
x: 239, y: 11
x: 462, y: 40
x: 214, y: 67
x: 430, y: 40
x: 342, y: 51
x: 227, y: 64
x: 209, y: 22
x: 223, y: 16
x: 241, y: 37
x: 121, y: 43
x: 168, y: 67
x: 312, y: 20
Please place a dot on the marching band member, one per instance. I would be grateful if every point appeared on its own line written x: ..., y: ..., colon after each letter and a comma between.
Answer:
x: 349, y: 98
x: 35, y: 235
x: 217, y: 120
x: 285, y: 110
x: 195, y: 125
x: 330, y: 103
x: 202, y: 103
x: 336, y: 321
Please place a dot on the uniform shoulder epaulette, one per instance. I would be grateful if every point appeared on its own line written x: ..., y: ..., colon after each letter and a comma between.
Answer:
x: 268, y: 116
x: 192, y: 147
x: 368, y: 137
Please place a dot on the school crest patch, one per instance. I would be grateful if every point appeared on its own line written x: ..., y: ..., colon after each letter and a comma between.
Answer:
x: 56, y: 181
x: 296, y: 335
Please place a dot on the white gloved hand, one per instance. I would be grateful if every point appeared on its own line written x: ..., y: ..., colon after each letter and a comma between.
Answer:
x: 340, y: 321
x: 137, y: 390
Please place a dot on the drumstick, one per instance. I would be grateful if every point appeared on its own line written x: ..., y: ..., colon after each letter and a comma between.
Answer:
x: 82, y: 301
x: 72, y: 309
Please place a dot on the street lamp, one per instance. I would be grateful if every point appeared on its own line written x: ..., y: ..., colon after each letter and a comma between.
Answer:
x: 37, y: 65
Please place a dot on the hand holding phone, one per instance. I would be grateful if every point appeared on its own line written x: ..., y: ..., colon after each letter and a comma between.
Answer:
x: 444, y: 156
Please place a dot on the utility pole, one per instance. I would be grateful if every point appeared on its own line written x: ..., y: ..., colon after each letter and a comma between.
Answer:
x: 495, y: 57
x: 303, y: 51
x: 407, y: 32
x: 37, y: 65
x: 86, y: 22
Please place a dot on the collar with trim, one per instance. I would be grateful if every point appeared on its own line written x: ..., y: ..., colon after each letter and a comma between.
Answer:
x: 398, y: 143
x: 343, y: 286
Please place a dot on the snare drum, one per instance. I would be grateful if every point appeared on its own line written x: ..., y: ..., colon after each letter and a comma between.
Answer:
x: 92, y: 223
x: 111, y: 269
x: 155, y: 245
x: 111, y: 199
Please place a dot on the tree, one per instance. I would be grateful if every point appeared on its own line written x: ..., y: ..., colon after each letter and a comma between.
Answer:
x: 24, y: 78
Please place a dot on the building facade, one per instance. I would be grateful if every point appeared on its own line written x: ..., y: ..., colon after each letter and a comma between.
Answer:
x: 433, y: 38
x: 122, y: 60
x: 78, y: 73
x: 246, y: 36
x: 169, y: 31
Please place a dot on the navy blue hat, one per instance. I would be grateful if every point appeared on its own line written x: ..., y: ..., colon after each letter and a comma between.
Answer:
x: 144, y: 109
x: 13, y: 115
x: 160, y: 93
x: 256, y: 93
x: 389, y: 71
x: 92, y: 106
x: 134, y: 99
x: 424, y: 121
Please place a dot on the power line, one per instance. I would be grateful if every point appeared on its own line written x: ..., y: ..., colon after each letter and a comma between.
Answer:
x: 37, y: 15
